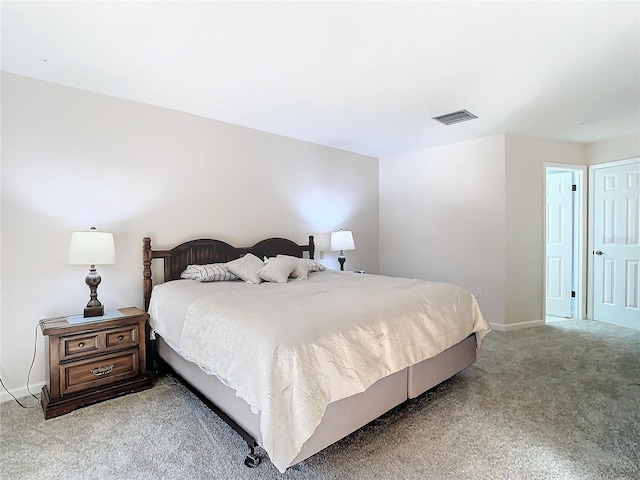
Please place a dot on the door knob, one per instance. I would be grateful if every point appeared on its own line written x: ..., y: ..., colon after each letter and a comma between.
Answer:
x: 599, y: 252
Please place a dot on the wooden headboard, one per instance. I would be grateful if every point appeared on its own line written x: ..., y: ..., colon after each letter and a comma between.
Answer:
x: 206, y: 250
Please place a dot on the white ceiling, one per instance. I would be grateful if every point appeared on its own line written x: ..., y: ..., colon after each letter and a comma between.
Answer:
x: 361, y: 76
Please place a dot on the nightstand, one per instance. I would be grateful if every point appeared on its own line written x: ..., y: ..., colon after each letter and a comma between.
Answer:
x: 95, y: 360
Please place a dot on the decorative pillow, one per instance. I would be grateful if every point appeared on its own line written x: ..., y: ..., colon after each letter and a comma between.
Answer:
x: 312, y: 265
x: 277, y: 270
x: 213, y: 272
x: 301, y: 271
x: 246, y: 268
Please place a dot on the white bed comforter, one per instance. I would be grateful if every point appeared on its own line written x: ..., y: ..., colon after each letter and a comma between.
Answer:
x: 290, y: 349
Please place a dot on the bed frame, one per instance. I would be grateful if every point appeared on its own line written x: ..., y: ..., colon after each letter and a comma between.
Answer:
x: 342, y: 417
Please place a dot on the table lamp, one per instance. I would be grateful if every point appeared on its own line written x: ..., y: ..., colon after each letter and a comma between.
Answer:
x: 92, y: 248
x: 342, y: 240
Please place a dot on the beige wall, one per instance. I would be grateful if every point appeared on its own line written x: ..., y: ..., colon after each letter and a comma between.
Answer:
x: 613, y: 150
x: 72, y: 159
x: 525, y: 184
x: 442, y: 218
x: 471, y: 213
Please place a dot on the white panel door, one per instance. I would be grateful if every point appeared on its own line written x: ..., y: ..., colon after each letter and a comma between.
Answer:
x: 559, y: 244
x: 616, y: 255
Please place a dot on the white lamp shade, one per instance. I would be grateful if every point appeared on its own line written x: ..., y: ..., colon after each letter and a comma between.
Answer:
x: 91, y: 248
x: 342, y: 240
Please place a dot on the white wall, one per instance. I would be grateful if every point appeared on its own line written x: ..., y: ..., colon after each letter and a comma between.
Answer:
x: 525, y: 185
x: 613, y: 150
x: 72, y: 159
x: 442, y: 218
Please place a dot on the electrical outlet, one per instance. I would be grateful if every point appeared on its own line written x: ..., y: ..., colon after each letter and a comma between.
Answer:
x: 478, y: 292
x: 321, y: 253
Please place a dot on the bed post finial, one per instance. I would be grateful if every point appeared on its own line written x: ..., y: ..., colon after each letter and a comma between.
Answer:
x: 312, y: 247
x: 146, y: 271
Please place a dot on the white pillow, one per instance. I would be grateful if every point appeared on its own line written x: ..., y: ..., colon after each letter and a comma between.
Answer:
x: 301, y: 271
x: 246, y: 268
x: 277, y: 270
x: 312, y: 265
x: 212, y: 272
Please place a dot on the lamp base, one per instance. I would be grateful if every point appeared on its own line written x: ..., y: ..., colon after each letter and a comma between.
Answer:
x: 341, y: 260
x: 94, y: 311
x: 94, y: 308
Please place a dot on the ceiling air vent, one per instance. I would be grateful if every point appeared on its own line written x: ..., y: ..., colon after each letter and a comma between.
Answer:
x: 455, y: 117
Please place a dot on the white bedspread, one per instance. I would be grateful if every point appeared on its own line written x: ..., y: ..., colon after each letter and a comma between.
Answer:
x: 290, y: 349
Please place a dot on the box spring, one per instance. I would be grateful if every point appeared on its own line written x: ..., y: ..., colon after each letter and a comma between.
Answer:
x: 341, y: 417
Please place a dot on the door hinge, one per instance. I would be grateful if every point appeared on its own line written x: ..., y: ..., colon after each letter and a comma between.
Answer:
x: 574, y: 188
x: 573, y: 294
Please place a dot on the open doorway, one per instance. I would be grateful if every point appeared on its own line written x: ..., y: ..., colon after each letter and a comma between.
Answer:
x: 565, y: 242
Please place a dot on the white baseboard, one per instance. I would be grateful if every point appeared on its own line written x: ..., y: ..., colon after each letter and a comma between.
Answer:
x: 517, y: 326
x: 20, y: 393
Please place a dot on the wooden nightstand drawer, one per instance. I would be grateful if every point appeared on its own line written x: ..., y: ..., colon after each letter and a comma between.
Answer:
x: 122, y: 337
x: 85, y: 374
x: 79, y: 345
x: 101, y: 341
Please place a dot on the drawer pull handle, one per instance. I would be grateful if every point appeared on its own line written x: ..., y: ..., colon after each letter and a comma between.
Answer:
x: 120, y: 337
x: 81, y: 345
x: 101, y: 370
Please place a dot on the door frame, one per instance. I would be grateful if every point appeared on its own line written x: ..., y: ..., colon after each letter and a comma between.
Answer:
x: 580, y: 224
x: 590, y: 240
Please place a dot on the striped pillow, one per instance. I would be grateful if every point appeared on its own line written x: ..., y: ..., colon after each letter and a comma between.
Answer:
x: 213, y: 272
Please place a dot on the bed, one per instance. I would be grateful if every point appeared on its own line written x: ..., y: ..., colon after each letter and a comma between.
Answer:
x: 295, y: 365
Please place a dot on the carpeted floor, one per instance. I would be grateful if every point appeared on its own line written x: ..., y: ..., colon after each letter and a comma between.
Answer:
x: 555, y: 402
